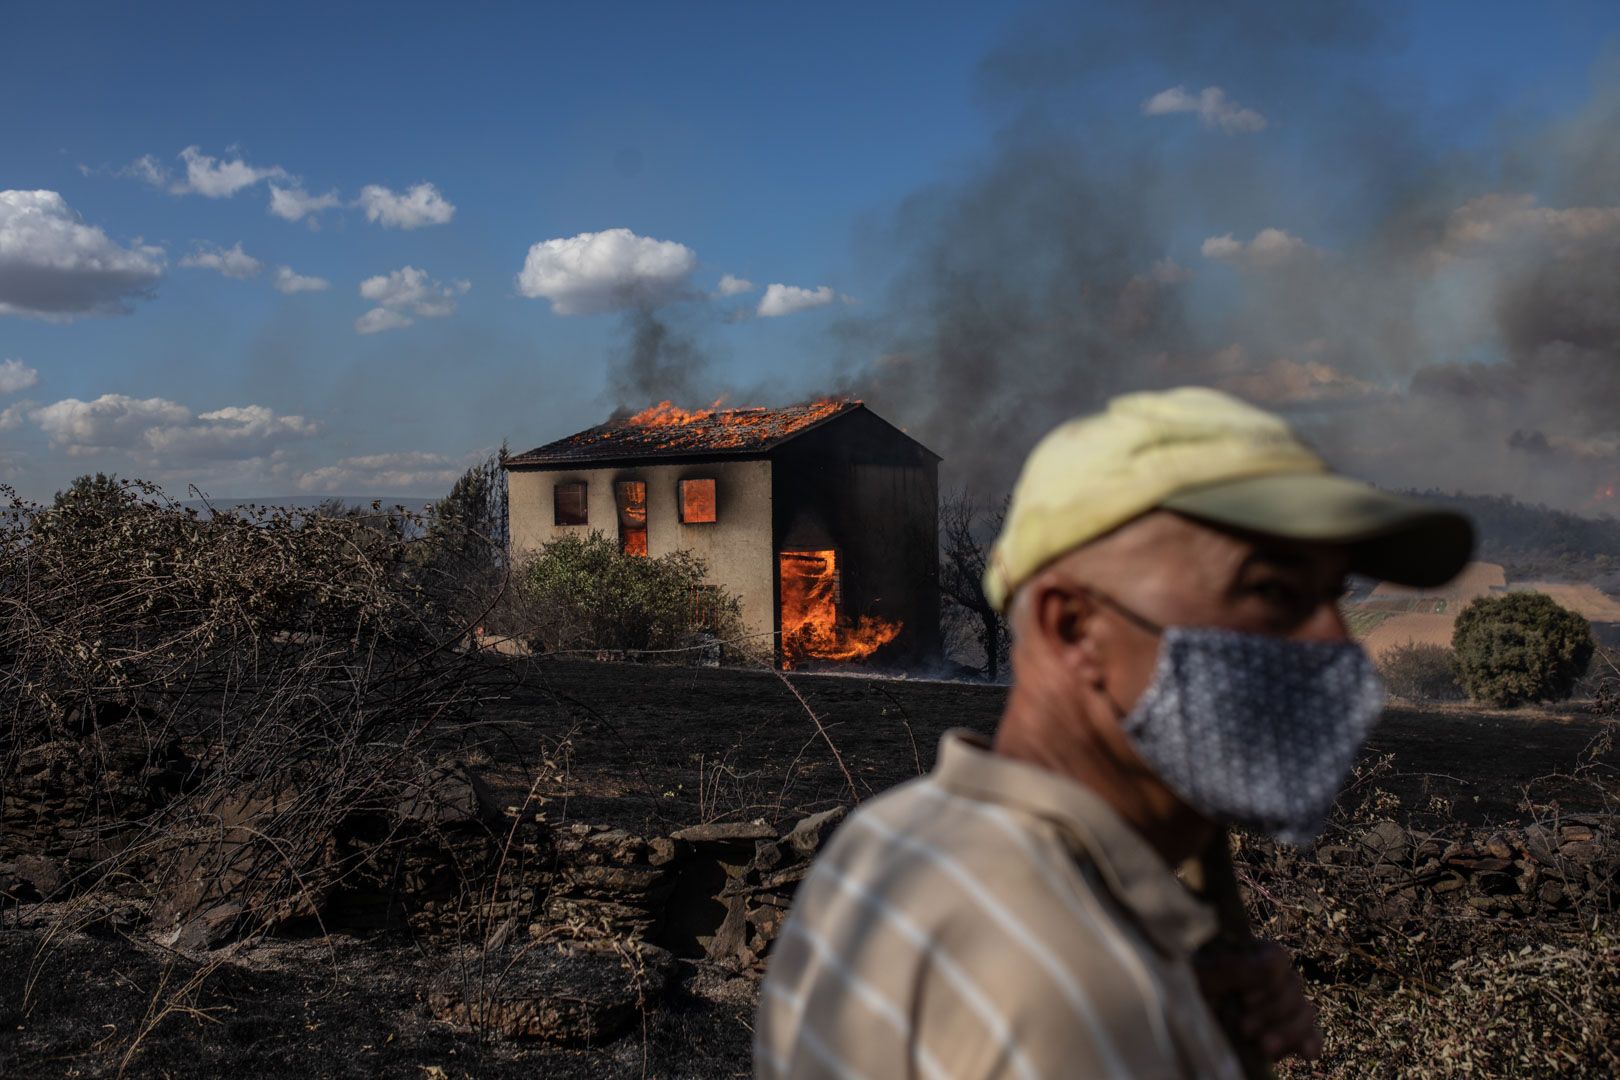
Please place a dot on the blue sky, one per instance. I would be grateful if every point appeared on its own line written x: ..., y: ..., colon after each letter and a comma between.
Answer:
x: 774, y: 145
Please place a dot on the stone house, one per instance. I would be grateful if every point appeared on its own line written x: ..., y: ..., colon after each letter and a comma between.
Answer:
x: 822, y: 518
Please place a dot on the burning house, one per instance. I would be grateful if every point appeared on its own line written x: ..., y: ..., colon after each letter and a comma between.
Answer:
x: 821, y: 518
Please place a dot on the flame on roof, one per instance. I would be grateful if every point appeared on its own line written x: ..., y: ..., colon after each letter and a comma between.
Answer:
x: 667, y: 429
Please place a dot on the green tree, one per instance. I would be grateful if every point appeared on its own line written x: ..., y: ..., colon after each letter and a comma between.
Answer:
x: 1520, y: 647
x: 88, y: 494
x: 586, y: 594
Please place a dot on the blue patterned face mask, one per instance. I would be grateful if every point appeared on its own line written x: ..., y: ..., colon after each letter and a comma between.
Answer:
x: 1254, y: 730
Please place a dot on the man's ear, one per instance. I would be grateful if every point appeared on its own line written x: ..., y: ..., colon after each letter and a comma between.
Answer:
x: 1065, y: 617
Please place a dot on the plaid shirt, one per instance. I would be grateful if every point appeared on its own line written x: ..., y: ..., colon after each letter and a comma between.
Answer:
x: 991, y: 919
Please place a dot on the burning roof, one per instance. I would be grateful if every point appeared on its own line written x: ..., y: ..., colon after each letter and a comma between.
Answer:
x: 664, y: 430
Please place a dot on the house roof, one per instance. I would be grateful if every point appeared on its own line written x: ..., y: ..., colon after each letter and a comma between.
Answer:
x: 665, y: 431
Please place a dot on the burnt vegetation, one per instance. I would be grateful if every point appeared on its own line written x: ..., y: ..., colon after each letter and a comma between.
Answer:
x: 272, y: 802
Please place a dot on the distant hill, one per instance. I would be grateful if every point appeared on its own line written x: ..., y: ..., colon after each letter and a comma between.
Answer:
x: 1534, y: 541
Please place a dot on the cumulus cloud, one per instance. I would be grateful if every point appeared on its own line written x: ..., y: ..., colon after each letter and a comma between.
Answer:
x: 110, y: 422
x: 217, y: 179
x: 53, y: 265
x: 234, y: 433
x: 408, y: 471
x: 1493, y: 220
x: 606, y: 271
x: 158, y: 431
x: 1269, y: 248
x: 288, y: 281
x: 295, y: 204
x: 233, y: 262
x: 402, y: 294
x: 731, y: 285
x: 1214, y: 109
x: 782, y: 300
x: 420, y: 205
x: 16, y: 376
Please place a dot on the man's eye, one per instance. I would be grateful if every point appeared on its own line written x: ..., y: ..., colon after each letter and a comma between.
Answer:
x: 1278, y: 593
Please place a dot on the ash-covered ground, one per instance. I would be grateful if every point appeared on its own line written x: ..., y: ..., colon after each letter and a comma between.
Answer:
x: 652, y: 750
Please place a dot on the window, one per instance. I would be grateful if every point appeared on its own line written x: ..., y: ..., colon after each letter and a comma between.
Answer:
x: 631, y: 496
x: 697, y: 502
x: 568, y: 504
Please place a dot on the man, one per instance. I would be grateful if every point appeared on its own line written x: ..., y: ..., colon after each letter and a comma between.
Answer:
x: 1171, y: 570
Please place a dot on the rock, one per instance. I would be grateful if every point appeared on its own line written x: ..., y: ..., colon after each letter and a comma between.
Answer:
x: 1575, y: 834
x: 725, y: 832
x: 1335, y: 855
x: 1497, y: 847
x: 580, y: 993
x: 1451, y: 882
x: 1542, y: 844
x: 42, y: 875
x: 808, y: 835
x: 1479, y: 864
x: 1388, y: 842
x: 1496, y: 884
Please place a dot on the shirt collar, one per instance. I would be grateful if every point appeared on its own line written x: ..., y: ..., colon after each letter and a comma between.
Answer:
x: 1175, y: 921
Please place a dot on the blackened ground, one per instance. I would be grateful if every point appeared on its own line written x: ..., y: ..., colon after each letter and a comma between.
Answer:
x: 658, y: 748
x: 651, y: 749
x: 345, y: 1008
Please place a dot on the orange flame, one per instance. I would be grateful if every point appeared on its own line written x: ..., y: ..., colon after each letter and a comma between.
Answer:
x: 811, y: 627
x: 719, y: 428
x: 668, y: 414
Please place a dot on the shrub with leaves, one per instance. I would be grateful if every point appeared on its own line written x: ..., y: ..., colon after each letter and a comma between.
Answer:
x: 583, y: 593
x: 1420, y: 671
x: 1520, y: 647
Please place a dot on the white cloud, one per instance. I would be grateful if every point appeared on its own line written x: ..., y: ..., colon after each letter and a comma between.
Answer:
x: 782, y: 300
x: 233, y: 262
x: 158, y: 432
x: 419, y: 206
x: 403, y: 293
x: 408, y: 472
x: 1269, y: 248
x: 111, y: 421
x: 147, y: 169
x: 233, y: 433
x: 1214, y: 109
x: 295, y: 204
x: 605, y: 271
x: 16, y: 376
x: 13, y: 415
x: 288, y: 281
x: 54, y: 266
x: 379, y: 319
x: 731, y: 285
x: 218, y: 179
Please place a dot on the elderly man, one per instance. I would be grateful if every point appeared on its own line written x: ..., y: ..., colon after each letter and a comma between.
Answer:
x: 1171, y: 570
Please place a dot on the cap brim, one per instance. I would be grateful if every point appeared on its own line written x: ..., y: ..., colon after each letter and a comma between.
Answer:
x: 1391, y: 537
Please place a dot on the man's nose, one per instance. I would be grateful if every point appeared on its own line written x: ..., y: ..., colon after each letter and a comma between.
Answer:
x: 1326, y: 623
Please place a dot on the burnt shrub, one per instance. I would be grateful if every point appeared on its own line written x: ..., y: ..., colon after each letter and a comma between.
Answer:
x: 1520, y: 647
x: 581, y: 593
x: 1421, y: 671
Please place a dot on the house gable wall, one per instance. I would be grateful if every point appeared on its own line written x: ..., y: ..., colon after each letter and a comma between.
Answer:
x: 737, y: 547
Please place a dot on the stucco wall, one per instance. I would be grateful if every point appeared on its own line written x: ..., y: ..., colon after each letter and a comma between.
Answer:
x: 737, y: 547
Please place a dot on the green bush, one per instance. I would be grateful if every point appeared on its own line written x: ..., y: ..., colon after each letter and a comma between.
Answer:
x: 1420, y: 671
x: 1520, y: 647
x: 583, y: 593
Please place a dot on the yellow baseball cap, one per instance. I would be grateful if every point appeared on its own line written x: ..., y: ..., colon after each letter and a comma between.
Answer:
x: 1208, y: 455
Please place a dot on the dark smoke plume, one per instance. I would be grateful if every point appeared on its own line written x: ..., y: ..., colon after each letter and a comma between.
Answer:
x: 1412, y: 306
